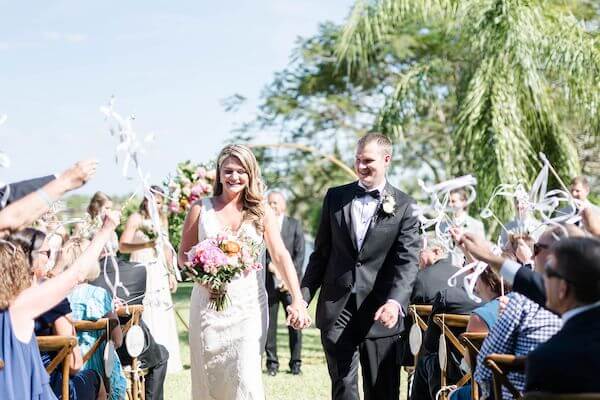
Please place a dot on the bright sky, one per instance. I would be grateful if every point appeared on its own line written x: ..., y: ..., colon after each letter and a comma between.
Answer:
x: 169, y: 63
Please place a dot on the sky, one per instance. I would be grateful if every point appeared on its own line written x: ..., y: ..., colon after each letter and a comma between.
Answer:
x: 170, y: 63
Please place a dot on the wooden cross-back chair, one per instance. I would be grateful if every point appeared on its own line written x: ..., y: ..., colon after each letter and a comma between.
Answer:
x: 472, y: 342
x: 136, y: 389
x: 501, y: 365
x: 63, y: 345
x: 91, y: 326
x: 561, y: 396
x: 446, y: 322
x: 419, y: 313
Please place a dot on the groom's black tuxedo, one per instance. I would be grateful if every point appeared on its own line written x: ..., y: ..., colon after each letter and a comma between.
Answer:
x: 384, y: 268
x: 354, y: 282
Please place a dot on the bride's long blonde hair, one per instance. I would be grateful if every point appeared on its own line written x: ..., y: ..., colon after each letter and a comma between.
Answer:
x: 252, y: 198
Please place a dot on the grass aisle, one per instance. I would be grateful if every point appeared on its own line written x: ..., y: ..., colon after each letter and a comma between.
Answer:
x: 312, y: 384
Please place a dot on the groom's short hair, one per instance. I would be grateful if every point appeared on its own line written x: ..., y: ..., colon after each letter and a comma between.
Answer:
x: 381, y: 140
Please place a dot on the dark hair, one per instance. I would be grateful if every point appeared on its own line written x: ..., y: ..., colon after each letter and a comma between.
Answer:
x: 493, y: 280
x: 578, y: 261
x: 98, y: 200
x: 143, y: 209
x: 28, y: 240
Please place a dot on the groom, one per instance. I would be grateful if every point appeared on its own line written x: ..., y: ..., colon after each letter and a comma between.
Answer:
x: 365, y: 263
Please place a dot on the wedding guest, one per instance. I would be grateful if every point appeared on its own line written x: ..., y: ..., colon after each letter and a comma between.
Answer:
x: 435, y: 268
x: 23, y: 374
x: 528, y: 282
x: 24, y: 211
x: 522, y: 326
x: 580, y: 190
x: 154, y: 356
x: 90, y: 303
x: 572, y: 276
x: 522, y: 225
x: 293, y: 238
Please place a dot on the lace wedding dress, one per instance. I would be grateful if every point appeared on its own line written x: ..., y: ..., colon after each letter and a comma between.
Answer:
x: 226, y: 346
x: 159, y: 314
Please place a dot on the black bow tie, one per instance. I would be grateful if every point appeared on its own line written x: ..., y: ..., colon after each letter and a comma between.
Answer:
x: 362, y: 192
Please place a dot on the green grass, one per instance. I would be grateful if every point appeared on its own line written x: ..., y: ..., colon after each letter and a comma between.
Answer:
x: 312, y: 384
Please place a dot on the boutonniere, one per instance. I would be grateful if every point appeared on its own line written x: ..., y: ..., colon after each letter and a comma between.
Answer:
x: 388, y: 204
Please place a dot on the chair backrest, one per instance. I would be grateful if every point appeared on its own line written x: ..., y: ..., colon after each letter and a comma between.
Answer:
x: 63, y: 345
x: 136, y: 384
x: 446, y: 322
x: 561, y: 396
x: 91, y: 326
x: 420, y: 313
x: 501, y: 365
x: 472, y: 341
x: 133, y: 311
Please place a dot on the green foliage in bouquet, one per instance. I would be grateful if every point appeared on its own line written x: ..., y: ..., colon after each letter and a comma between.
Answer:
x: 191, y: 182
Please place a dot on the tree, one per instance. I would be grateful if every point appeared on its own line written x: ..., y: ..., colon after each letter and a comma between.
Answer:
x: 518, y: 72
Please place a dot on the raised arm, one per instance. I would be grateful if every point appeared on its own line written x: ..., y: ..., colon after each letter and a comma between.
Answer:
x: 28, y: 209
x: 313, y: 276
x: 34, y: 301
x: 189, y: 235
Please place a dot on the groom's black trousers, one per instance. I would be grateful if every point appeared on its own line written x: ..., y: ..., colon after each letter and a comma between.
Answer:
x: 345, y: 346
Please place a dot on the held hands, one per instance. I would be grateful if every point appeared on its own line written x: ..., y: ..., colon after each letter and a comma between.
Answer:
x: 388, y: 314
x: 298, y: 317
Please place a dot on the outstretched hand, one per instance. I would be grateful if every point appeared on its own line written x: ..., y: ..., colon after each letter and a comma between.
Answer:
x: 477, y: 246
x: 388, y: 314
x: 79, y: 174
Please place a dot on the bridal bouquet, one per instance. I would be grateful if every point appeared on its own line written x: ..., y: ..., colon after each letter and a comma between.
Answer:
x: 214, y: 262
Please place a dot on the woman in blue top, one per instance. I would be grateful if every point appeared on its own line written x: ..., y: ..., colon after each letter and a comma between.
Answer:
x: 23, y: 375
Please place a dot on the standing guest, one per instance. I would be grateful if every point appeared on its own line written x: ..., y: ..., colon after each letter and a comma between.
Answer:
x: 138, y: 239
x: 90, y: 303
x: 364, y: 262
x: 580, y: 190
x: 568, y: 362
x: 277, y: 292
x: 23, y: 375
x: 523, y: 225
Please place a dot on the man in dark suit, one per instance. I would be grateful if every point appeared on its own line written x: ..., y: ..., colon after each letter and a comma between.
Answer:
x: 435, y: 268
x: 155, y: 356
x: 293, y: 238
x: 365, y: 264
x: 568, y: 362
x: 14, y: 191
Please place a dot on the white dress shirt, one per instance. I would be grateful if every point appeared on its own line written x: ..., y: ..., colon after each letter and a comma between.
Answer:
x: 363, y: 211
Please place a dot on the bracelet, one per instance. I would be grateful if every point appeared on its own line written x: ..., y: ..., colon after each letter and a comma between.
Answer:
x: 45, y: 196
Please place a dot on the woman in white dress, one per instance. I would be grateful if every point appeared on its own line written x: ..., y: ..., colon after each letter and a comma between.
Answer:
x: 138, y: 240
x: 226, y: 346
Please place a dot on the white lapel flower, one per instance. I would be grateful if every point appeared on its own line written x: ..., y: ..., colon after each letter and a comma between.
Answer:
x: 388, y: 205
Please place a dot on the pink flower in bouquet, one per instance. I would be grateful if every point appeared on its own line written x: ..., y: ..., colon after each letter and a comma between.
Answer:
x: 201, y: 172
x: 197, y: 189
x: 211, y: 259
x: 206, y: 188
x: 174, y: 206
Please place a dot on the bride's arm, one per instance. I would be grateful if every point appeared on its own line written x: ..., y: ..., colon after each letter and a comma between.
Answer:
x: 283, y: 263
x: 189, y: 235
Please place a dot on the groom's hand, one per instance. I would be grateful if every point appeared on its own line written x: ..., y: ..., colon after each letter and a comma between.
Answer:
x: 388, y: 314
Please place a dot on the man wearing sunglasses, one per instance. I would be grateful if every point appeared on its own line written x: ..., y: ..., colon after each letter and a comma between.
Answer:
x: 529, y: 283
x: 569, y: 361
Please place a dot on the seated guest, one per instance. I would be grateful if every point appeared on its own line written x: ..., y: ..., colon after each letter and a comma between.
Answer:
x: 426, y: 383
x: 154, y: 357
x: 569, y: 362
x: 435, y: 268
x: 489, y: 288
x: 523, y: 280
x: 23, y: 375
x: 90, y: 303
x: 83, y: 385
x: 522, y: 326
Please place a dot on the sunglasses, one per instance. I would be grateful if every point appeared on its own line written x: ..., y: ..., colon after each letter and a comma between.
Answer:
x: 47, y: 253
x: 538, y: 247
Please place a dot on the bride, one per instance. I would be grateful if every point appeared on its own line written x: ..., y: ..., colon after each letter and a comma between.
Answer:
x: 226, y: 346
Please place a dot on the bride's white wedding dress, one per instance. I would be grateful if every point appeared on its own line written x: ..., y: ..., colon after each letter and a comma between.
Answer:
x: 226, y: 346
